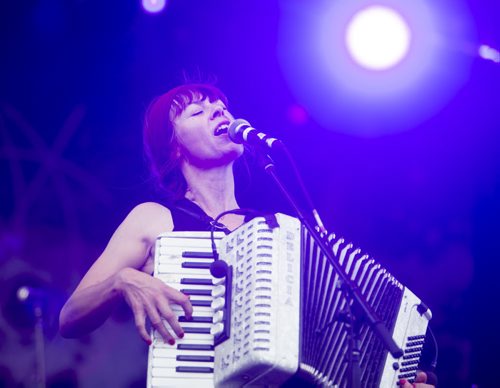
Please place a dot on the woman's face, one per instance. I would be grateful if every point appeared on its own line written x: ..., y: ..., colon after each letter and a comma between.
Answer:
x: 201, y: 131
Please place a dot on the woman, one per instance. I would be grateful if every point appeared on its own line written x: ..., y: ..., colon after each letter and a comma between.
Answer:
x: 191, y: 156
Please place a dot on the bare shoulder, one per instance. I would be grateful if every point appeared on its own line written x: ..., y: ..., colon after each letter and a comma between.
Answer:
x: 150, y: 209
x: 149, y: 219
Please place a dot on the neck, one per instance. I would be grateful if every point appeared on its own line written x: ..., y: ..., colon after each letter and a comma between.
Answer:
x: 212, y: 189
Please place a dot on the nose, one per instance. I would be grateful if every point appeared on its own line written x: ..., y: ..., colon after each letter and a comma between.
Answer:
x: 217, y: 111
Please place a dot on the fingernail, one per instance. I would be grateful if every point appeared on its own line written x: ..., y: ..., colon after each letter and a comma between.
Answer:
x: 402, y: 382
x: 181, y: 335
x: 171, y: 341
x: 149, y: 342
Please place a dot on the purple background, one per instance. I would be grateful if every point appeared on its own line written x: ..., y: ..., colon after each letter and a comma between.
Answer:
x: 417, y: 185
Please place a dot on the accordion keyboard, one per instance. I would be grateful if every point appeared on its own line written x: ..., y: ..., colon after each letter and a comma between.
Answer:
x: 182, y: 260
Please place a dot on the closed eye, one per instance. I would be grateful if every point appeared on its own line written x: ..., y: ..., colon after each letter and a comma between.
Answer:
x: 197, y: 113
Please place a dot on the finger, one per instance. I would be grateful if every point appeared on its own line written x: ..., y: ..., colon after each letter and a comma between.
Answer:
x: 403, y: 383
x: 182, y: 300
x: 157, y: 323
x: 167, y: 313
x: 421, y: 377
x: 140, y: 320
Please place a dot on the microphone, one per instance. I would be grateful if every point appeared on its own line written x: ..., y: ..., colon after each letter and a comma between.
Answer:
x: 241, y: 132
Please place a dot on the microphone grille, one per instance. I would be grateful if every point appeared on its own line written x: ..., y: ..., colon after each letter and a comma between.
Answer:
x: 236, y: 129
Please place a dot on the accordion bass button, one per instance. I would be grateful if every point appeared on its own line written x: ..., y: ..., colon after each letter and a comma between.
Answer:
x: 217, y: 329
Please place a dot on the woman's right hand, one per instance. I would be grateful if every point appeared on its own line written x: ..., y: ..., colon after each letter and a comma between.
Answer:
x: 150, y: 297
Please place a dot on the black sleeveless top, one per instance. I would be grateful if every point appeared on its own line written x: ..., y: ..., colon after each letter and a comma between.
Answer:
x: 188, y: 216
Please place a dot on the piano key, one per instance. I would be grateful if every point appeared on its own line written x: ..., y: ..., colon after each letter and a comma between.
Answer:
x: 181, y: 372
x: 217, y: 329
x: 168, y: 278
x: 185, y: 382
x: 197, y: 347
x: 188, y: 340
x: 174, y: 269
x: 197, y: 291
x: 197, y: 310
x: 218, y: 290
x: 173, y: 352
x: 196, y: 319
x: 195, y: 265
x: 199, y: 255
x: 194, y: 358
x: 201, y: 302
x: 194, y: 369
x: 196, y: 330
x: 177, y: 260
x: 218, y: 316
x: 201, y: 281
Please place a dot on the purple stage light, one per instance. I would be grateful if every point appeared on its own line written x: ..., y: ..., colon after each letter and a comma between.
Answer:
x: 153, y: 6
x: 489, y: 53
x: 349, y: 87
x: 378, y: 38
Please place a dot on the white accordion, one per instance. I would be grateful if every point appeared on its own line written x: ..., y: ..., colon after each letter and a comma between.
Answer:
x: 271, y: 320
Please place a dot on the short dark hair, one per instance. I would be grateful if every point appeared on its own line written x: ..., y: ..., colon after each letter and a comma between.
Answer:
x: 160, y: 141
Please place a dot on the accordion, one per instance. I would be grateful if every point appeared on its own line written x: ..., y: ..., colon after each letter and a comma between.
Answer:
x: 273, y: 319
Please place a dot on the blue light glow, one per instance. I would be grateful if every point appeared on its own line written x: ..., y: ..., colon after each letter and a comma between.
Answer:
x: 343, y: 96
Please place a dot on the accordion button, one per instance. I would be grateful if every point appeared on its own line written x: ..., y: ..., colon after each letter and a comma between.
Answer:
x: 217, y: 329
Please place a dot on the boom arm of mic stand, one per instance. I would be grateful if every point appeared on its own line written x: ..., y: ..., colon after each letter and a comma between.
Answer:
x: 371, y: 317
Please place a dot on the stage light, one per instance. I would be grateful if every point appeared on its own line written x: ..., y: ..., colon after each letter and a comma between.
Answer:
x: 489, y: 53
x: 373, y: 67
x: 378, y: 38
x: 153, y: 6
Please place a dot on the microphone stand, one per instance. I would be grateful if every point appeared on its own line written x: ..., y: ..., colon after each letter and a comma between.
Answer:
x: 361, y: 311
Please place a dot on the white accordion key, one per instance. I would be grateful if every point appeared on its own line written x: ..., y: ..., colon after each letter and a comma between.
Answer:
x: 219, y: 290
x: 218, y: 316
x: 218, y: 304
x: 217, y: 329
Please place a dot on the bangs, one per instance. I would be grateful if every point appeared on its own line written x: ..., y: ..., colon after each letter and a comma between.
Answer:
x: 188, y: 94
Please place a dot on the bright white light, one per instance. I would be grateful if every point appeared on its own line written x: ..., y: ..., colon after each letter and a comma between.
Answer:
x: 153, y: 6
x: 487, y: 52
x: 378, y: 38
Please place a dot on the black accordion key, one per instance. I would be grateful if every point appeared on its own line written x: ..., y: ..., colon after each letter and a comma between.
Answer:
x: 196, y: 319
x: 195, y: 265
x: 194, y: 369
x: 196, y: 330
x: 202, y: 282
x: 189, y: 291
x: 195, y: 358
x: 202, y: 347
x: 198, y: 255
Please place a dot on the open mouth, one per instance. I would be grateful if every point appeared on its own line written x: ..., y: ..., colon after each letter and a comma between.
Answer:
x: 221, y: 128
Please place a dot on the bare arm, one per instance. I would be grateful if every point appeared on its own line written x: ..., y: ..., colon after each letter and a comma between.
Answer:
x: 118, y: 273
